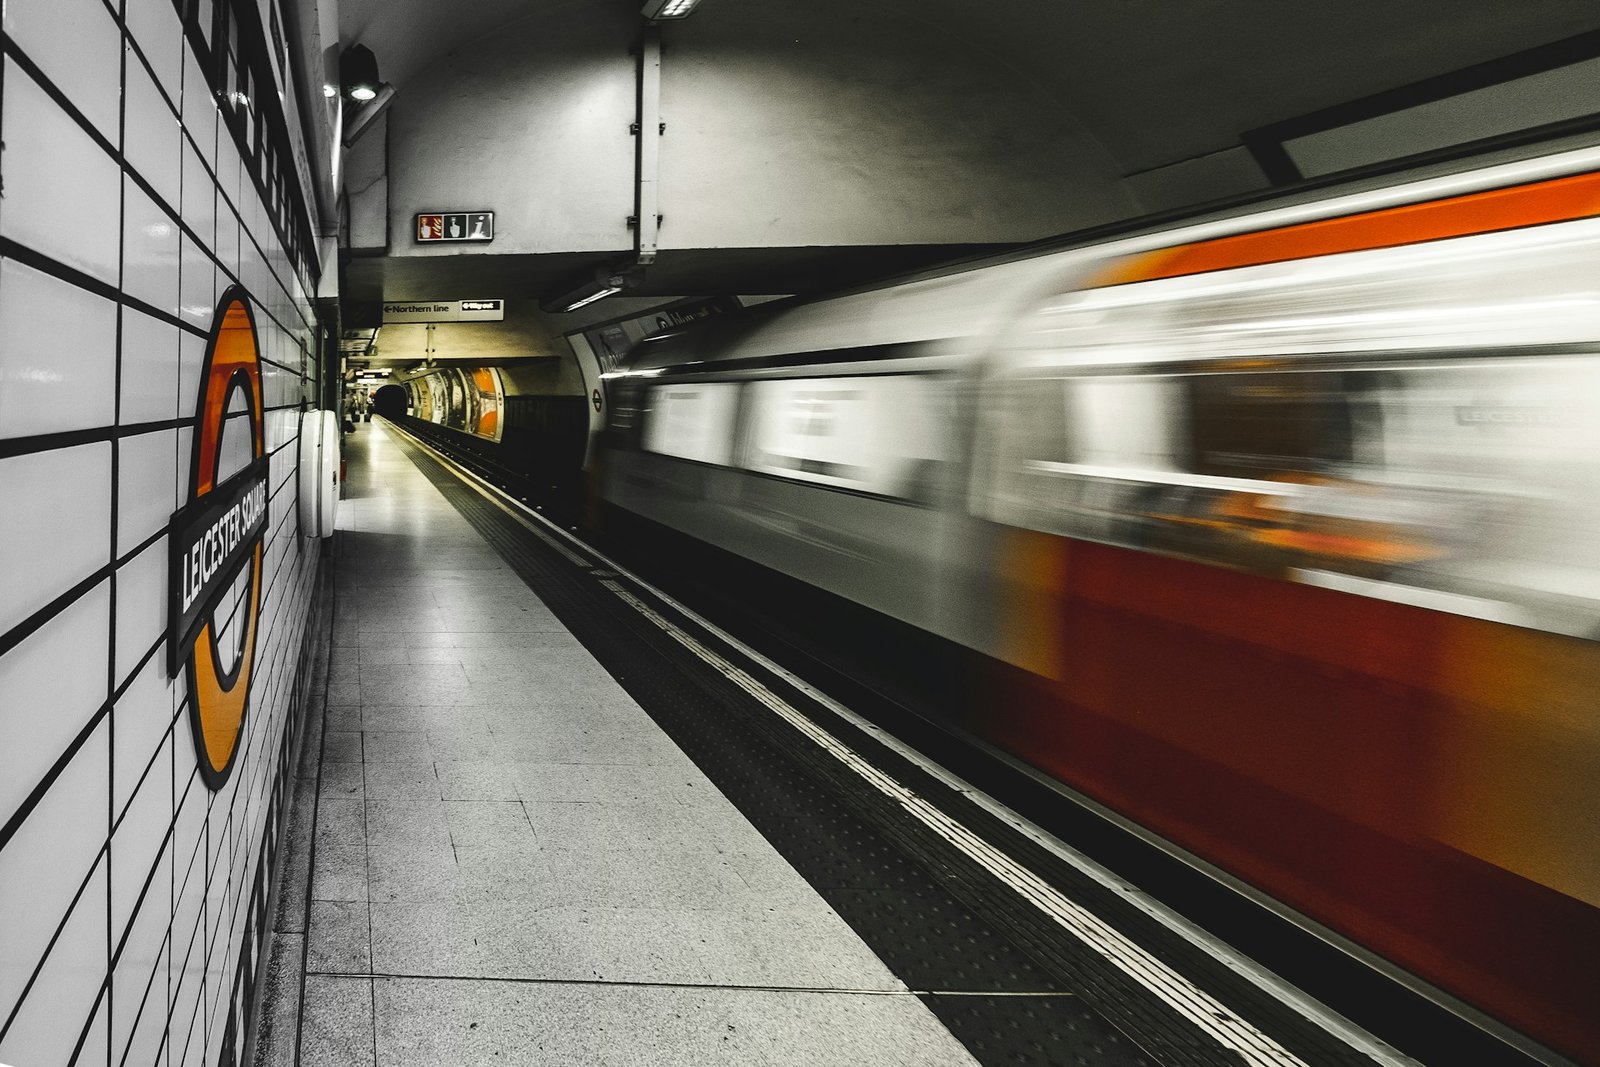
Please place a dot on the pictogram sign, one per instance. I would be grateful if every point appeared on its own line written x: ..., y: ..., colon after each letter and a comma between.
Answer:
x: 455, y: 226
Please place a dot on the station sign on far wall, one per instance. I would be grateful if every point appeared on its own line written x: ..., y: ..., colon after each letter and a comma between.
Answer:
x: 610, y: 343
x: 444, y: 311
x: 455, y: 226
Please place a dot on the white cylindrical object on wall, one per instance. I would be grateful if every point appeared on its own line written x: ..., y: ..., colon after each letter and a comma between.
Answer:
x: 319, y: 472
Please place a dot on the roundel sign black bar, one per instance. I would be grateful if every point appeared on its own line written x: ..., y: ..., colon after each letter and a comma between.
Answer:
x: 215, y: 568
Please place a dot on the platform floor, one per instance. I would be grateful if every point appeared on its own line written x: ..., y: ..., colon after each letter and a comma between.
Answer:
x: 513, y: 864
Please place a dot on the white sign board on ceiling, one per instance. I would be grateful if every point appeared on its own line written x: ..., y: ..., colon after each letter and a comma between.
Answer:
x: 444, y: 311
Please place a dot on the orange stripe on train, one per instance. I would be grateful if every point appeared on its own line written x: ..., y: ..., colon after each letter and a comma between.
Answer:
x: 1498, y: 209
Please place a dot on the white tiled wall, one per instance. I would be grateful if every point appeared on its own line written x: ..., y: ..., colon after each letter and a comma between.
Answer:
x: 124, y: 880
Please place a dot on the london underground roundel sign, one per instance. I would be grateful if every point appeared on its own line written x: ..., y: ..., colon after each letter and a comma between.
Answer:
x: 215, y: 575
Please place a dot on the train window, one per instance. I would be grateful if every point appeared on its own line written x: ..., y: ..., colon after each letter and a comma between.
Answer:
x: 1038, y: 410
x: 878, y: 434
x: 625, y: 413
x: 693, y: 421
x: 1265, y: 425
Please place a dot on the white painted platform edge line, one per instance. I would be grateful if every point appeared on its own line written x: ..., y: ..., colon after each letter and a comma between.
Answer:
x: 513, y: 507
x: 1313, y: 1011
x: 734, y: 987
x: 1192, y: 1003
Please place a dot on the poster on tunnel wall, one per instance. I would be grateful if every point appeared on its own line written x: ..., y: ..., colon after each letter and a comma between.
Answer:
x: 488, y: 403
x: 421, y: 398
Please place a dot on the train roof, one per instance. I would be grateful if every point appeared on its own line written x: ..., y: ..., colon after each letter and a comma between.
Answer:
x: 956, y: 307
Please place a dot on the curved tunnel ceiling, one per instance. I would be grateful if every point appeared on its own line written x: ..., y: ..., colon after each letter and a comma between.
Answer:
x: 1153, y: 81
x: 1083, y: 100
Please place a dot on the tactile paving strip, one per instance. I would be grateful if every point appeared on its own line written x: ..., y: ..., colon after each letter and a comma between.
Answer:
x: 936, y: 919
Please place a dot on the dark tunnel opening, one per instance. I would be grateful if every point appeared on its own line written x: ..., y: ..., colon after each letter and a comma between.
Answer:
x: 389, y: 401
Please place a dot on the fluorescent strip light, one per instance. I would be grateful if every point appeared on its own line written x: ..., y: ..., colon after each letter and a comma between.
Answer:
x: 599, y: 294
x: 656, y: 10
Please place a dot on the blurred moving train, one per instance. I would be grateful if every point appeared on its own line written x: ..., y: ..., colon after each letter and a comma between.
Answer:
x: 1280, y: 531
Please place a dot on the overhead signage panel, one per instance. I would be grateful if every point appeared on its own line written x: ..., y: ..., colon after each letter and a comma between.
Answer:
x: 444, y: 311
x: 447, y: 226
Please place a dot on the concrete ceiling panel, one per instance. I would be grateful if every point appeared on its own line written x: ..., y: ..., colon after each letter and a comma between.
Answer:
x: 810, y: 143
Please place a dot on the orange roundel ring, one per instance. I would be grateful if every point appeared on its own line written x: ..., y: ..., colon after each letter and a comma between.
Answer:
x: 218, y: 695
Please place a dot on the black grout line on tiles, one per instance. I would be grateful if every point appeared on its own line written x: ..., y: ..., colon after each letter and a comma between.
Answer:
x: 104, y: 997
x: 33, y: 623
x: 33, y: 799
x: 22, y: 997
x: 48, y: 442
x: 14, y: 52
x: 44, y: 264
x: 116, y: 507
x: 144, y: 1000
x: 41, y: 618
x: 12, y: 249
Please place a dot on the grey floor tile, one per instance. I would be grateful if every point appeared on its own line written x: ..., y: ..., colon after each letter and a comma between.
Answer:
x: 616, y: 879
x: 485, y: 779
x: 461, y: 744
x: 396, y: 746
x: 341, y: 821
x: 413, y: 872
x: 489, y: 824
x: 427, y: 683
x: 340, y: 873
x: 398, y: 652
x: 607, y: 782
x: 539, y: 716
x: 339, y: 940
x: 550, y: 666
x: 506, y: 939
x: 524, y: 875
x: 633, y: 747
x: 340, y: 717
x: 421, y: 1023
x: 424, y: 717
x: 589, y: 826
x: 402, y: 781
x: 342, y: 779
x: 340, y: 746
x: 407, y: 822
x: 529, y: 642
x: 492, y: 686
x: 337, y: 1029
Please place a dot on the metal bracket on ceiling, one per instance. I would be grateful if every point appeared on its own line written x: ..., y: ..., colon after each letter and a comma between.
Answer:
x: 647, y: 152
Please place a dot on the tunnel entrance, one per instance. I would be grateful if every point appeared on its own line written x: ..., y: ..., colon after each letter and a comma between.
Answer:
x: 390, y: 402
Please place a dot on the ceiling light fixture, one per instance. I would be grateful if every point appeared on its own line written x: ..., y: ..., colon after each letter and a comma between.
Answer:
x: 599, y: 294
x: 603, y: 284
x: 358, y: 73
x: 657, y: 10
